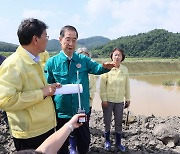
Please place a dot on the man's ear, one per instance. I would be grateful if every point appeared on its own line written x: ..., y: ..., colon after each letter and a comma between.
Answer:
x: 60, y: 39
x: 35, y: 39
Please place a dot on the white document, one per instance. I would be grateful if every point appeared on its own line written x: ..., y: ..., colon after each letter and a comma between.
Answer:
x: 69, y: 89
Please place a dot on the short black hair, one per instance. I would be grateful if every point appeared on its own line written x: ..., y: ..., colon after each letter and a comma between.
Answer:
x: 120, y: 50
x: 28, y: 28
x: 68, y: 27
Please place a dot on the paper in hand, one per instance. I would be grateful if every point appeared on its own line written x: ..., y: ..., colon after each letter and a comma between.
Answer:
x: 69, y: 89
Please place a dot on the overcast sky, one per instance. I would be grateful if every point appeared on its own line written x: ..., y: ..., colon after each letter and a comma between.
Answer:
x: 108, y: 18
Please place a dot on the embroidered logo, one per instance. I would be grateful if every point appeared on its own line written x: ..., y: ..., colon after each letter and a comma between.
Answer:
x: 78, y: 65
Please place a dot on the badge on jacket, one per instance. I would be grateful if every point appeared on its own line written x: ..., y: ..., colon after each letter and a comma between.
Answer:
x: 78, y: 65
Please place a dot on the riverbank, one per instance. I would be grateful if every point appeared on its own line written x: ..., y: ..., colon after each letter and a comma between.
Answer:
x: 149, y: 66
x: 144, y: 135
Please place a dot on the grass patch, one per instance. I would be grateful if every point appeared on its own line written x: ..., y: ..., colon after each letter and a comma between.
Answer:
x: 140, y: 60
x: 6, y: 54
x: 168, y: 83
x: 53, y: 53
x: 178, y: 83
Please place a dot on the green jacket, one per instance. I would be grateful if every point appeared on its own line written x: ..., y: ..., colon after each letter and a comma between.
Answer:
x: 56, y: 70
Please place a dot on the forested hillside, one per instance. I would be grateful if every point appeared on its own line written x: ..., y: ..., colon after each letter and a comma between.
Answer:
x: 53, y: 46
x: 156, y: 43
x: 7, y: 47
x: 93, y: 42
x: 90, y: 43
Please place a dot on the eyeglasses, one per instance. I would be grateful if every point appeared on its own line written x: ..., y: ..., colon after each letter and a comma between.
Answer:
x: 47, y: 37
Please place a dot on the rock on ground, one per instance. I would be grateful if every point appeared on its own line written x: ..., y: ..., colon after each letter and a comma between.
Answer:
x: 144, y: 135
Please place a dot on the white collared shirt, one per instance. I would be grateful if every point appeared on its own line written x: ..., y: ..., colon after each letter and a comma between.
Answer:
x: 36, y: 59
x: 66, y: 55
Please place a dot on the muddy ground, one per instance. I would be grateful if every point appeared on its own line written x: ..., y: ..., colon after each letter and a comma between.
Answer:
x: 143, y: 135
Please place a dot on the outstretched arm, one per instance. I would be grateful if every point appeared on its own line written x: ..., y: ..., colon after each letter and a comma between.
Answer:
x: 108, y: 65
x: 54, y: 142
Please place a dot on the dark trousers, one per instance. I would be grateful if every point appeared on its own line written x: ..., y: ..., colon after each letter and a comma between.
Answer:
x: 82, y: 135
x: 117, y: 109
x: 31, y: 143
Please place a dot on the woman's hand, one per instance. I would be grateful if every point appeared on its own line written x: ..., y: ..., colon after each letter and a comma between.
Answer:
x: 127, y: 104
x: 74, y: 120
x: 104, y: 104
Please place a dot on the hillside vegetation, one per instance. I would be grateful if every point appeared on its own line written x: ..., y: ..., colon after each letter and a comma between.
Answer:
x: 7, y: 47
x: 90, y: 43
x: 156, y: 43
x: 93, y: 42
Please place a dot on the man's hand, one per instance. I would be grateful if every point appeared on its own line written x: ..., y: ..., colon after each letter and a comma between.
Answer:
x: 108, y: 65
x: 50, y: 89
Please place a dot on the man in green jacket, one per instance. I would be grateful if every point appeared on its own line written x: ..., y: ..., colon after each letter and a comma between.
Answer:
x: 63, y: 68
x: 25, y: 95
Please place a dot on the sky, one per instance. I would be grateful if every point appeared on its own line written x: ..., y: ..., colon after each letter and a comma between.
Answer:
x: 107, y: 18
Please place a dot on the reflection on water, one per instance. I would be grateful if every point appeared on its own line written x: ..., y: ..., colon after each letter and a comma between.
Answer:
x: 149, y: 96
x: 154, y: 99
x: 157, y: 79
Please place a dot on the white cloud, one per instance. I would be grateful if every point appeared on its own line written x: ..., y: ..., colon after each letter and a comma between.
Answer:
x: 8, y: 31
x: 96, y: 8
x: 109, y: 18
x: 4, y: 23
x: 53, y: 33
x: 172, y: 22
x: 49, y: 17
x: 78, y: 20
x: 136, y: 16
x: 42, y: 15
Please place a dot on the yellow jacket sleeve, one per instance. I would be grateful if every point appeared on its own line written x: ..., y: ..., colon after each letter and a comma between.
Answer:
x: 44, y: 56
x: 12, y: 96
x: 92, y: 87
x: 127, y: 89
x: 103, y: 87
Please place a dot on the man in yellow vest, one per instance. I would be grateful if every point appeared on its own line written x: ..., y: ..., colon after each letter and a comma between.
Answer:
x: 25, y: 94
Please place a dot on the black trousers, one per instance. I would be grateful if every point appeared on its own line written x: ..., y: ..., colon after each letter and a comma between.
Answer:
x: 31, y: 143
x: 82, y: 135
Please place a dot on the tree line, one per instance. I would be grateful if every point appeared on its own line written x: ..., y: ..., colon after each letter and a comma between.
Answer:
x: 155, y: 43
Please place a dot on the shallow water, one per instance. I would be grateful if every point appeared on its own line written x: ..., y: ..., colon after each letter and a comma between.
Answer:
x: 149, y: 96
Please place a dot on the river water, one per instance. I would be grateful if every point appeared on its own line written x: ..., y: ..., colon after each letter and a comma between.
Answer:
x: 149, y: 96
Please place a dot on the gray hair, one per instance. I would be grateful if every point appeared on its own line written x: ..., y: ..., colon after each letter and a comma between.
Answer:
x: 81, y: 50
